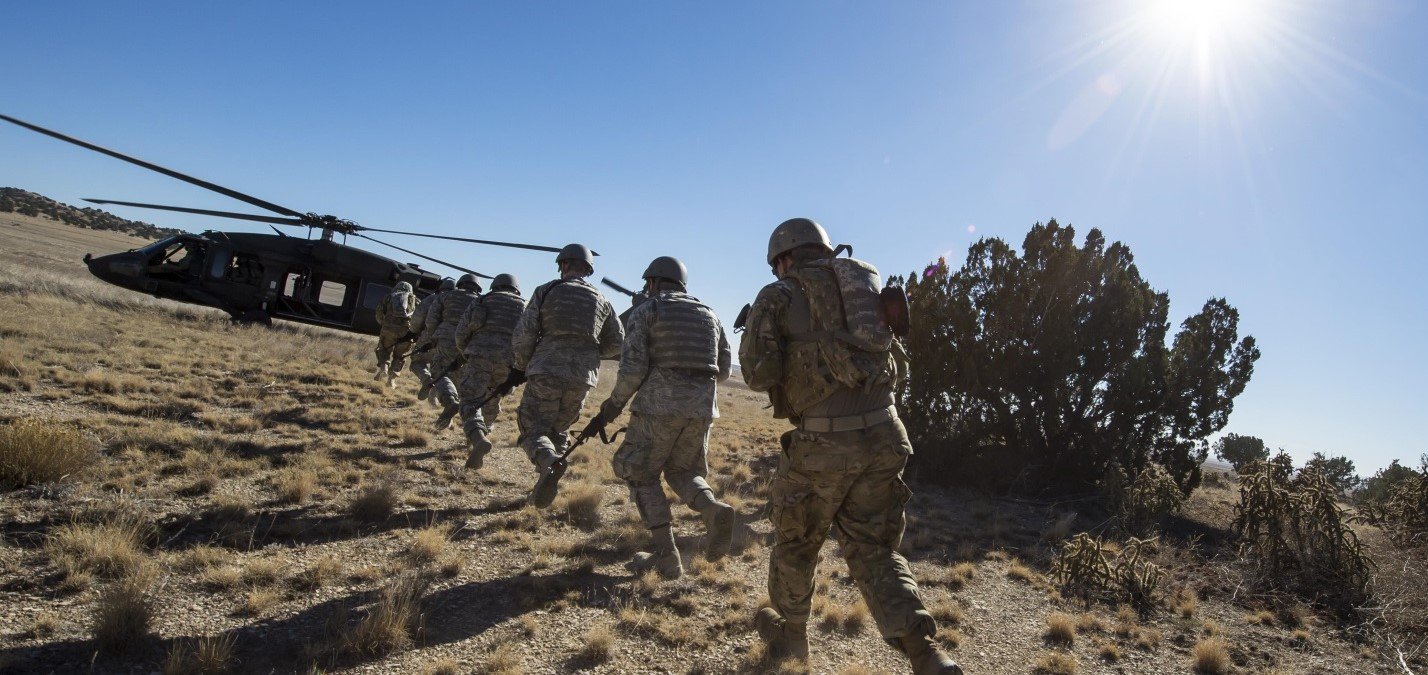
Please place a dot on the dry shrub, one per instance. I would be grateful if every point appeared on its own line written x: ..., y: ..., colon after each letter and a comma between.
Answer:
x: 1292, y: 529
x: 1211, y: 656
x: 413, y: 438
x: 260, y: 600
x: 443, y: 666
x: 599, y: 643
x: 375, y: 501
x: 1143, y: 502
x: 208, y: 655
x: 394, y: 621
x: 222, y: 577
x: 1403, y: 512
x: 582, y: 505
x: 320, y: 573
x: 428, y: 544
x: 228, y: 508
x: 1056, y: 663
x: 39, y: 451
x: 123, y: 613
x: 1060, y: 629
x: 1108, y: 650
x: 1021, y: 572
x: 1091, y: 569
x: 264, y: 571
x: 504, y: 660
x: 43, y: 625
x: 109, y: 548
x: 1185, y: 602
x: 295, y: 485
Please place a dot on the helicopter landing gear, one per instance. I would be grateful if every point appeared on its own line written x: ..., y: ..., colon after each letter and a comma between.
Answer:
x: 253, y: 316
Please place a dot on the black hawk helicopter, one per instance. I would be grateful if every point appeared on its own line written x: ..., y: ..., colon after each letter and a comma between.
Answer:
x: 255, y: 277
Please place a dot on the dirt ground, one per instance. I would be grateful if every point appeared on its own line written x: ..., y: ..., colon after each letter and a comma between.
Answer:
x: 285, y: 504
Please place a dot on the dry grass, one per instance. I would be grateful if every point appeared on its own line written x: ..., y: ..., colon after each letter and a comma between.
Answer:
x: 1019, y: 572
x: 123, y: 613
x: 582, y: 505
x: 1211, y: 656
x: 208, y: 655
x: 295, y: 485
x: 111, y: 548
x: 598, y: 645
x: 1060, y: 629
x: 1108, y: 651
x: 1260, y: 618
x: 443, y: 666
x: 39, y: 451
x: 264, y: 571
x: 43, y: 625
x: 320, y: 573
x: 375, y: 501
x: 223, y: 577
x: 1056, y: 663
x: 1185, y: 602
x: 260, y: 600
x: 393, y: 622
x: 428, y: 544
x: 504, y: 660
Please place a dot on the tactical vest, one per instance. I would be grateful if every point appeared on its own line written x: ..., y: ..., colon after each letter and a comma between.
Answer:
x: 836, y: 333
x: 569, y: 308
x: 452, y: 307
x: 503, y: 310
x: 685, y: 334
x: 400, y: 306
x: 418, y: 319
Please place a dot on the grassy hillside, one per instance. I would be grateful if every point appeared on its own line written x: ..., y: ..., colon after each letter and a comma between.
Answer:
x: 268, y: 507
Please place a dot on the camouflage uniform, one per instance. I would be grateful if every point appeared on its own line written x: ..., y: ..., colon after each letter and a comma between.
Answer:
x: 842, y: 467
x: 566, y: 329
x: 422, y: 346
x: 484, y: 337
x: 442, y: 321
x: 674, y: 354
x: 394, y: 313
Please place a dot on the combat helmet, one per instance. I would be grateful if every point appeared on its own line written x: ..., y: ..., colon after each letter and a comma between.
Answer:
x: 667, y: 267
x: 447, y: 284
x: 795, y: 232
x: 402, y: 287
x: 505, y: 280
x: 468, y: 282
x: 576, y: 252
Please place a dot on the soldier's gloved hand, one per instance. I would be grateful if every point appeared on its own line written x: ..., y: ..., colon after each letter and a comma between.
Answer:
x: 596, y: 426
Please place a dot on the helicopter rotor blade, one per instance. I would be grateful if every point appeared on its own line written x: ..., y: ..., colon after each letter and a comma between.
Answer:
x: 423, y: 257
x: 262, y: 204
x: 611, y: 284
x: 279, y: 232
x: 204, y: 212
x: 529, y: 247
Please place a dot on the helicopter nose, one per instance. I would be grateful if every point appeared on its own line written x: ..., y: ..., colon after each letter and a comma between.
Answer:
x: 116, y: 265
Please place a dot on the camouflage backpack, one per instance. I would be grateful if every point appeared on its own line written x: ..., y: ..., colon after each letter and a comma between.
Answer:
x: 837, y: 334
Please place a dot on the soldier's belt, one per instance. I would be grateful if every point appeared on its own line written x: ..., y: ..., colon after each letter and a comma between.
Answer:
x: 849, y: 422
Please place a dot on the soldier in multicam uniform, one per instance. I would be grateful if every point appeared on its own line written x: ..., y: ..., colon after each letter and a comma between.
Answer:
x: 817, y: 342
x: 442, y: 320
x: 566, y: 330
x: 484, y: 337
x: 421, y: 348
x: 674, y: 355
x: 394, y: 313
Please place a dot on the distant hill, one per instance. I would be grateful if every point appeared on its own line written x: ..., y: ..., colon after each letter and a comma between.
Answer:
x: 26, y: 203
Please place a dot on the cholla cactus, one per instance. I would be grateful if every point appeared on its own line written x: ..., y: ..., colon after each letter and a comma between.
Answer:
x: 1149, y: 498
x: 1091, y: 569
x: 1292, y: 528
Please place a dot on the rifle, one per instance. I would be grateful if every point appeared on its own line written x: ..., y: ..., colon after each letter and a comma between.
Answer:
x: 516, y: 378
x: 596, y: 427
x: 455, y: 366
x: 743, y: 318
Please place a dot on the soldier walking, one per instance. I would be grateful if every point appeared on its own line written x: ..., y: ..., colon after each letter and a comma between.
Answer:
x: 445, y: 356
x: 422, y: 346
x: 565, y: 331
x: 675, y: 353
x: 394, y: 313
x: 816, y: 340
x: 484, y: 337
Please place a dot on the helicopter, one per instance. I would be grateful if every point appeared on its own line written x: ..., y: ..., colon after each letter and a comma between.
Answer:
x: 257, y: 277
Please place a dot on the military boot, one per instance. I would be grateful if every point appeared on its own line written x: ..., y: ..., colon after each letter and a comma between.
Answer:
x: 479, y: 447
x: 785, y: 639
x: 664, y: 559
x: 444, y: 421
x: 423, y: 391
x: 548, y: 485
x: 718, y: 526
x: 381, y: 373
x: 926, y: 657
x: 392, y: 379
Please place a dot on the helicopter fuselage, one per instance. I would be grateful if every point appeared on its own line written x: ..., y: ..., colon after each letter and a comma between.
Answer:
x: 257, y: 277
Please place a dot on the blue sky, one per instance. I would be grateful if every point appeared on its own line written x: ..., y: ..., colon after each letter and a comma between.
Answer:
x: 1276, y: 156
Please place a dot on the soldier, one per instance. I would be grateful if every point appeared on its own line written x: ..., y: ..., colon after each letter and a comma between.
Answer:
x: 394, y: 313
x: 566, y: 330
x: 421, y: 349
x: 484, y: 337
x: 442, y: 320
x: 674, y: 355
x: 817, y: 342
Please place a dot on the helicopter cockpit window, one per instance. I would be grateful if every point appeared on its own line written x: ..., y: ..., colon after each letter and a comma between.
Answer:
x: 218, y: 266
x: 177, y: 259
x: 245, y: 268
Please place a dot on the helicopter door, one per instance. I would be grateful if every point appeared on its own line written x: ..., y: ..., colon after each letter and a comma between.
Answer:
x: 317, y: 297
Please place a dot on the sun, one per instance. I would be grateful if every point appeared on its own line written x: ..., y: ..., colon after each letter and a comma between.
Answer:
x: 1202, y: 19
